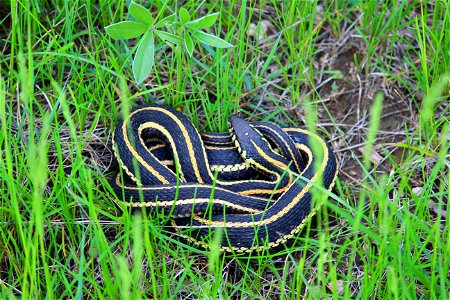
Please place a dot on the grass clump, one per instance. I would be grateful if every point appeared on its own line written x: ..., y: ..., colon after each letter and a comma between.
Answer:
x: 64, y: 84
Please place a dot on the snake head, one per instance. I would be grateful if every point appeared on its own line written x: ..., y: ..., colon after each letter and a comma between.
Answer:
x: 244, y: 134
x: 253, y: 147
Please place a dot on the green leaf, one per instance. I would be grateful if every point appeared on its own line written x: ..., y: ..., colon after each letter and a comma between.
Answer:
x: 126, y: 30
x: 211, y: 40
x: 167, y: 21
x: 203, y: 22
x: 144, y: 57
x: 188, y: 43
x: 184, y: 16
x: 141, y: 14
x: 174, y: 39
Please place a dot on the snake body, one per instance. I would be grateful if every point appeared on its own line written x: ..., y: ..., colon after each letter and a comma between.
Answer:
x: 175, y: 175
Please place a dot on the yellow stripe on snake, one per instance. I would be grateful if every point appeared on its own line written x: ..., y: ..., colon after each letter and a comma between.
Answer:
x: 256, y: 183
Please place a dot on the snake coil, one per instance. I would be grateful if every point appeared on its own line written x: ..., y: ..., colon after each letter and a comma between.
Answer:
x: 208, y: 181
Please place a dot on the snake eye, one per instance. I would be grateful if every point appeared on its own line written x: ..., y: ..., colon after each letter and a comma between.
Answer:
x: 246, y: 133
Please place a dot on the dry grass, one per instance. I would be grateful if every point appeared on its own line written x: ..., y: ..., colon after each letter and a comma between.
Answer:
x: 339, y: 75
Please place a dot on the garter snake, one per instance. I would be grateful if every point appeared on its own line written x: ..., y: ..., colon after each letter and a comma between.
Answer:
x: 254, y: 214
x: 221, y: 148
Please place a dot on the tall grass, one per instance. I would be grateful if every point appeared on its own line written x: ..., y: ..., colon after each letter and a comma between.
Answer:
x: 64, y: 85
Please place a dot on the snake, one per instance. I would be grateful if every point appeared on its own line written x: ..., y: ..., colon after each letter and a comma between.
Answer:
x: 169, y: 166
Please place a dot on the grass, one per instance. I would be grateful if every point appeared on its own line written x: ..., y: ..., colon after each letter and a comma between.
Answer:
x: 64, y: 85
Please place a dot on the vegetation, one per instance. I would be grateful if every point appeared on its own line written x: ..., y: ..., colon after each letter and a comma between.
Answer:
x: 373, y: 76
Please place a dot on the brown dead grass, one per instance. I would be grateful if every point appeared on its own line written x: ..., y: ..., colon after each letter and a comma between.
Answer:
x: 344, y: 106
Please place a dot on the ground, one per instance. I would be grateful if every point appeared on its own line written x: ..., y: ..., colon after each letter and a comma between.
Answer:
x: 384, y: 233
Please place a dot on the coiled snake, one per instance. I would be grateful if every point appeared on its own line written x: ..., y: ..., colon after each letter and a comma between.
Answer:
x: 197, y: 178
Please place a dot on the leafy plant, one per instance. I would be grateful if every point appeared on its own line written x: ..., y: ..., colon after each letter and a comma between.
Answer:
x: 179, y: 30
